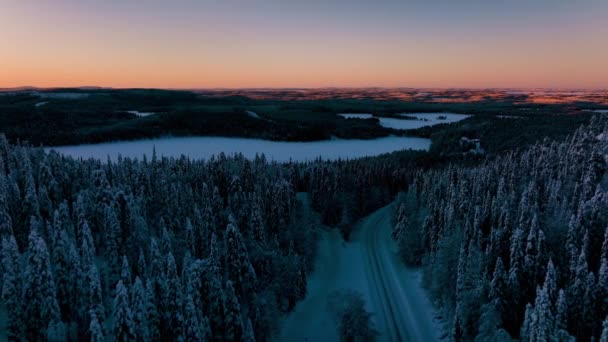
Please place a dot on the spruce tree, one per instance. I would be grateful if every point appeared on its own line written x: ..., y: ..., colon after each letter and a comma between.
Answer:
x: 123, y: 327
x: 95, y: 329
x: 39, y: 292
x: 234, y: 330
x: 10, y: 292
x: 138, y: 306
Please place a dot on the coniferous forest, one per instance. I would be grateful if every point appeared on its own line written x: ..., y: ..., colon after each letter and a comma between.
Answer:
x: 516, y: 247
x: 513, y: 247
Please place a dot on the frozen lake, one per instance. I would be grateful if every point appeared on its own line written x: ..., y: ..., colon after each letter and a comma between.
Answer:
x: 601, y: 111
x: 281, y: 151
x: 420, y: 119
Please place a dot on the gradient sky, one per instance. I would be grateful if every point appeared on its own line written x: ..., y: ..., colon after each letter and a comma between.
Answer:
x: 313, y: 43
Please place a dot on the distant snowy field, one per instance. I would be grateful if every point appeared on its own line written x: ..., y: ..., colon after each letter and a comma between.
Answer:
x: 205, y: 147
x: 356, y: 116
x: 140, y: 114
x: 601, y: 111
x: 422, y: 119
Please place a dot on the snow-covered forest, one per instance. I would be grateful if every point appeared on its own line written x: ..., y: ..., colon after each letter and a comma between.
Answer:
x: 177, y: 249
x: 518, y: 246
x: 152, y: 250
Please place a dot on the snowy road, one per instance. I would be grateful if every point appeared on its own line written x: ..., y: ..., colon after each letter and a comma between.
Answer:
x: 369, y: 265
x: 401, y: 308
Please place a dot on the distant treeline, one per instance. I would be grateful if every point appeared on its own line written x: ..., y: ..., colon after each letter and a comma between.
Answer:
x: 76, y: 116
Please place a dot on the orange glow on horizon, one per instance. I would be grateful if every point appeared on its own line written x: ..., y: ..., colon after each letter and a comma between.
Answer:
x: 70, y: 46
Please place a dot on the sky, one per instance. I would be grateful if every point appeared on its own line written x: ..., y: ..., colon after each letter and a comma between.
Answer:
x: 314, y: 43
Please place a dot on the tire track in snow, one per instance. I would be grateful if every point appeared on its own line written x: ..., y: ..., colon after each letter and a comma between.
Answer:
x: 394, y: 309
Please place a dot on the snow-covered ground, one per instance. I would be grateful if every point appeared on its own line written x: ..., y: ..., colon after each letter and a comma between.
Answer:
x: 509, y: 117
x: 601, y: 111
x: 356, y: 116
x: 421, y: 119
x: 252, y: 114
x: 41, y: 103
x: 140, y: 114
x: 281, y: 151
x: 369, y: 265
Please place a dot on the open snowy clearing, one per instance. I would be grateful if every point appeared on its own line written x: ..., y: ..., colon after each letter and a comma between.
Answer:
x: 356, y: 116
x: 140, y: 114
x: 413, y: 120
x: 252, y: 114
x: 281, y: 151
x: 369, y: 265
x: 601, y: 111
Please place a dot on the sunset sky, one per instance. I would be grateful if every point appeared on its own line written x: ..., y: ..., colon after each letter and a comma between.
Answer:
x: 314, y: 43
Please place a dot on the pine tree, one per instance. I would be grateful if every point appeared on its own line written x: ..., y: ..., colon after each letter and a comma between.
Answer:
x: 528, y: 327
x: 141, y: 265
x: 125, y: 272
x: 498, y: 286
x: 112, y: 243
x: 56, y: 331
x: 237, y: 261
x: 123, y: 327
x: 561, y: 318
x: 233, y: 325
x: 152, y: 313
x: 95, y: 299
x: 192, y: 329
x: 249, y: 335
x: 39, y: 292
x: 551, y: 282
x: 66, y: 266
x: 256, y: 223
x: 544, y: 326
x: 171, y: 299
x: 604, y: 336
x: 87, y: 249
x: 11, y: 287
x: 95, y: 329
x: 589, y: 315
x: 138, y: 306
x: 213, y: 301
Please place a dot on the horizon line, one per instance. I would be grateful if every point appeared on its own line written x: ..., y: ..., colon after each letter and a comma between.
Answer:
x: 90, y: 87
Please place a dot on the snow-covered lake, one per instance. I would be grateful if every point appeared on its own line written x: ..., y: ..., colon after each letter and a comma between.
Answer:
x: 421, y: 119
x: 601, y: 111
x: 281, y: 151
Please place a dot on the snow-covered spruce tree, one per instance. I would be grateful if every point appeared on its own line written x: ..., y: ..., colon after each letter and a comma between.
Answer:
x: 11, y: 288
x: 232, y: 317
x: 152, y: 314
x: 66, y: 267
x: 193, y: 329
x: 95, y: 294
x: 95, y: 330
x: 240, y: 271
x: 138, y: 307
x: 171, y: 295
x: 39, y: 292
x: 123, y: 327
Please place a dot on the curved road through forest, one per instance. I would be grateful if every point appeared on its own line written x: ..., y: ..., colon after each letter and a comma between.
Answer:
x: 368, y: 264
